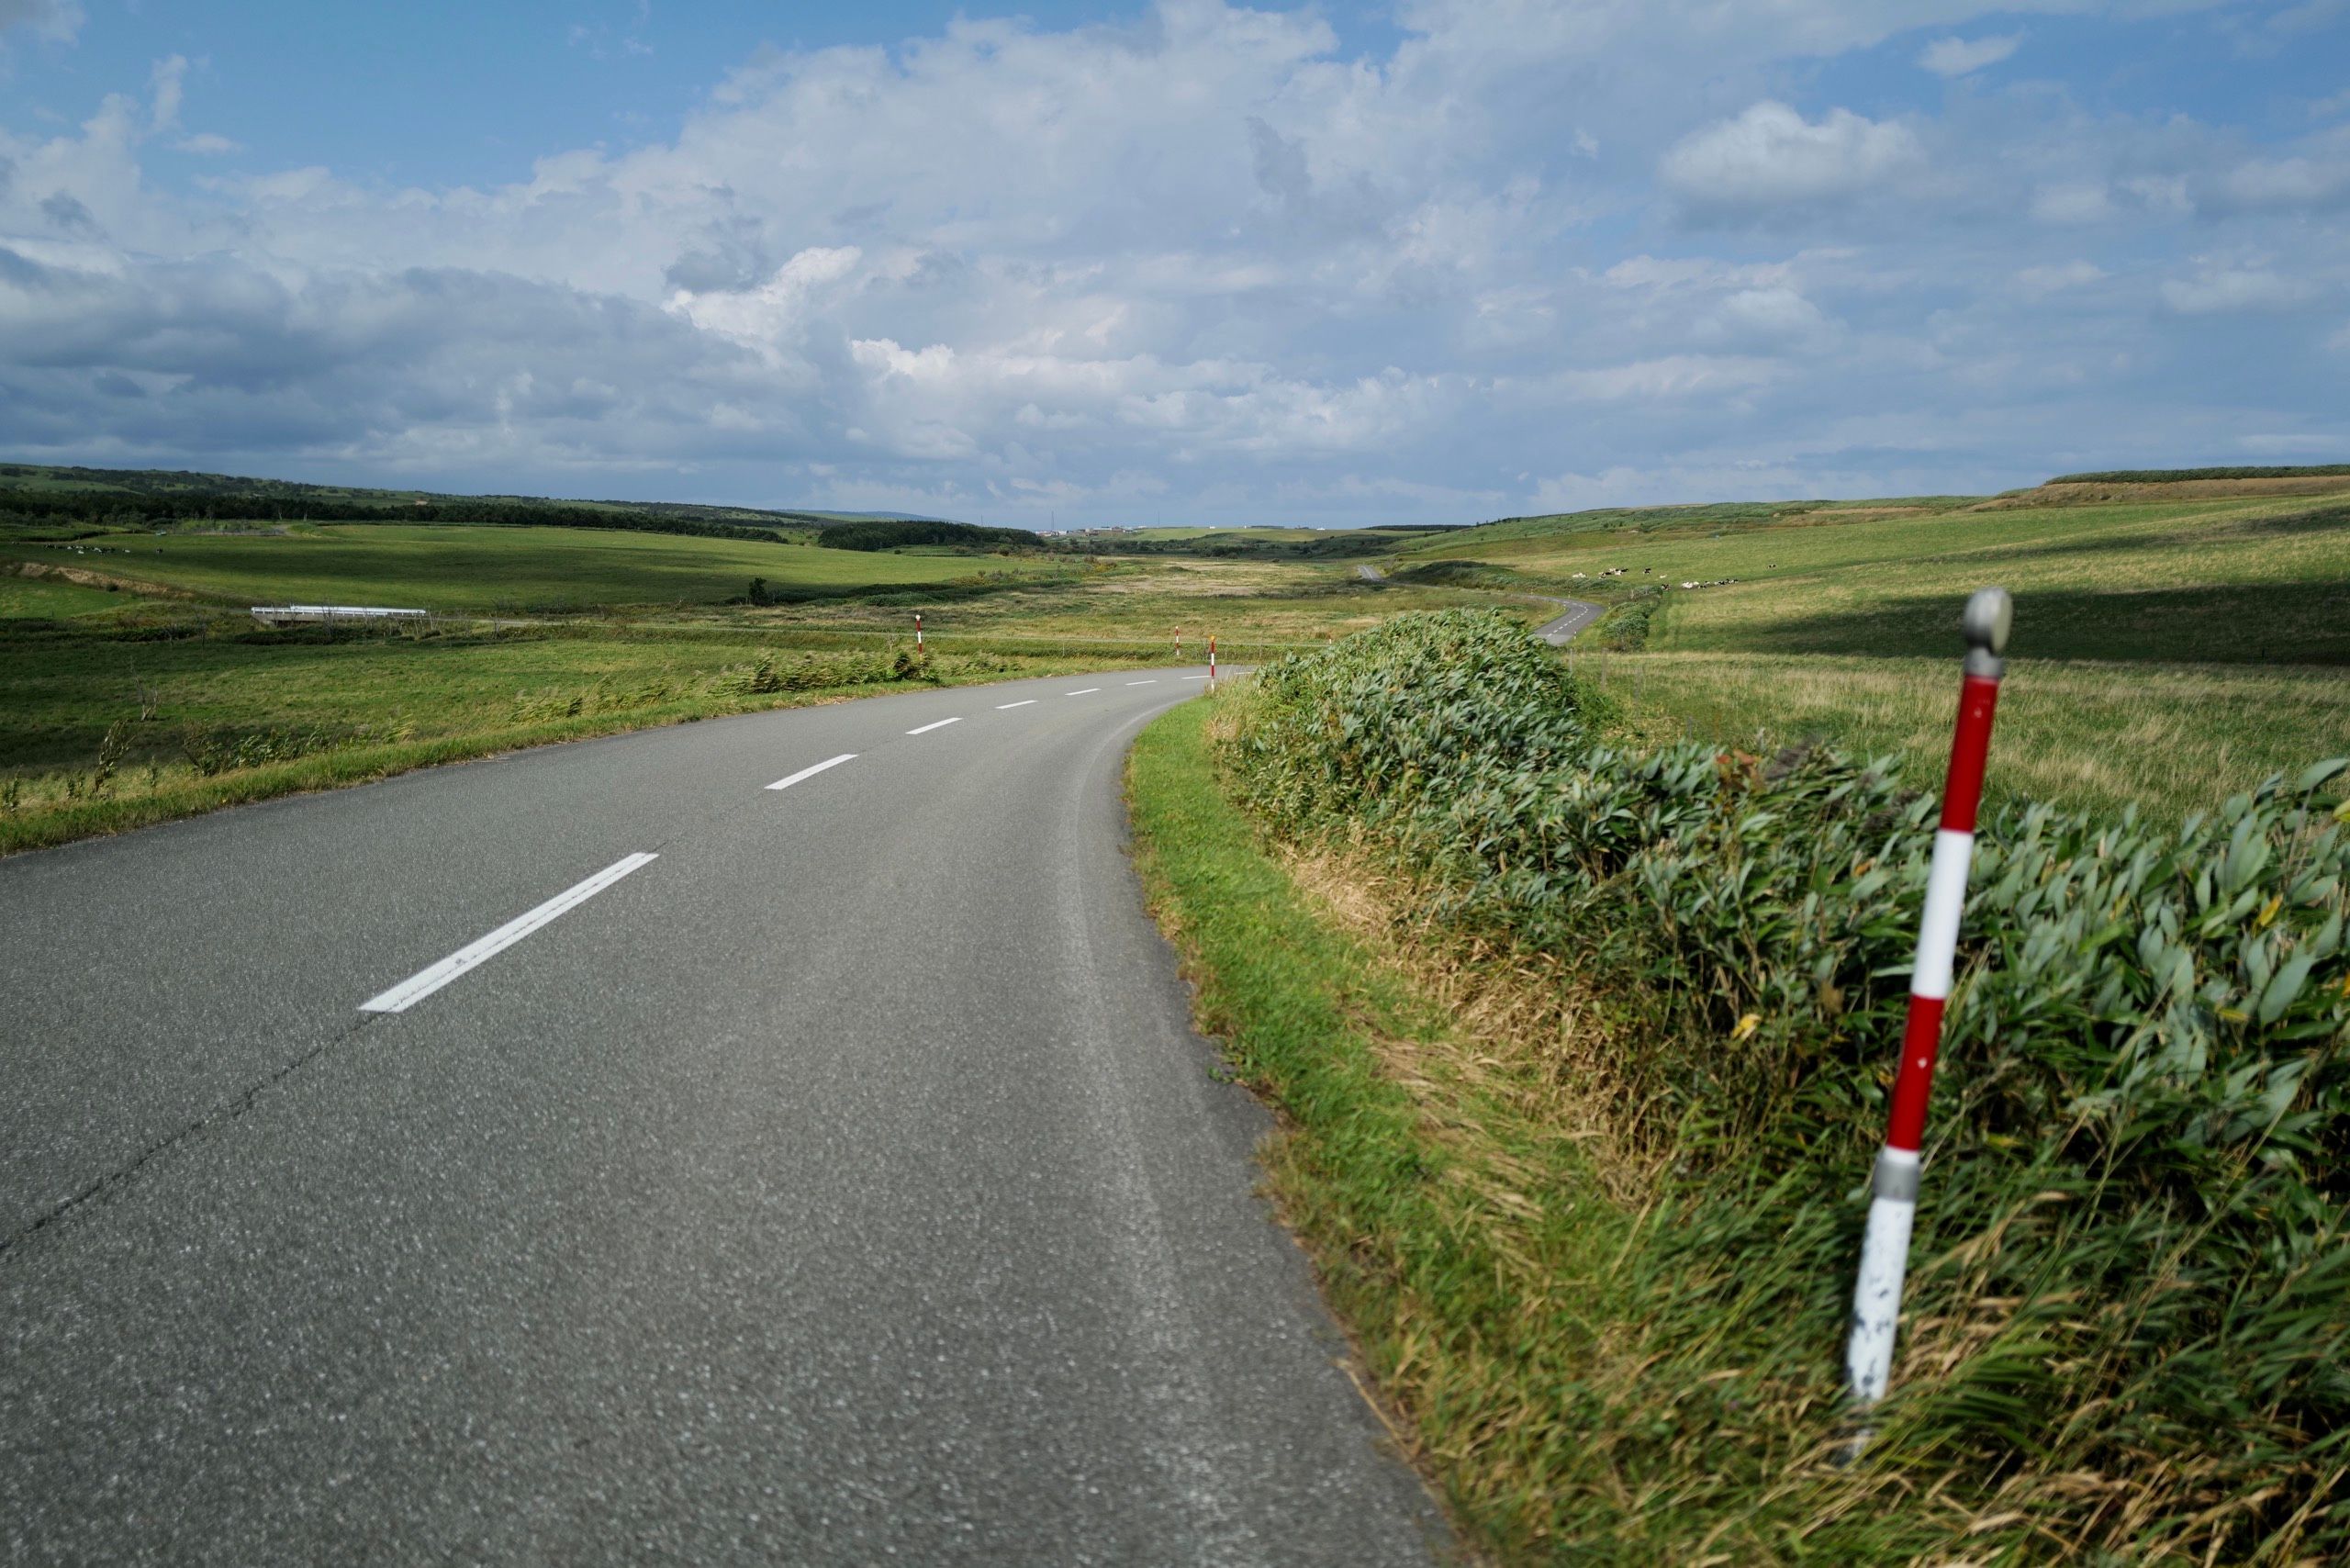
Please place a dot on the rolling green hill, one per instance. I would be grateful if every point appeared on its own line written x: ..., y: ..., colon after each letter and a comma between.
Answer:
x: 512, y: 570
x: 40, y: 498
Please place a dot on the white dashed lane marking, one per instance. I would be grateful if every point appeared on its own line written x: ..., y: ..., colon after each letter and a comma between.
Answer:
x: 424, y: 982
x: 925, y: 728
x: 811, y: 772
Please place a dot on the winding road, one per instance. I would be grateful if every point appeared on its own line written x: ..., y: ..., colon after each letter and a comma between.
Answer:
x: 1579, y: 613
x: 779, y: 1138
x: 1576, y: 613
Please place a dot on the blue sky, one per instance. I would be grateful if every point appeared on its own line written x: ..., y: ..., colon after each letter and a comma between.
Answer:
x: 1434, y: 260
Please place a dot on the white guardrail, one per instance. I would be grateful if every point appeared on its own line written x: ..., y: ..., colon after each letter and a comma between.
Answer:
x: 335, y: 613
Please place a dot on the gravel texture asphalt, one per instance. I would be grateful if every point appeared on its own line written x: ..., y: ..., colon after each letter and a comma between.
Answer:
x: 844, y: 1185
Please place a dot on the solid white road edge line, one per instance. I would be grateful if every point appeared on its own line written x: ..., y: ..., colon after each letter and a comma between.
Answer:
x: 1022, y: 703
x: 925, y: 728
x: 1081, y: 691
x: 811, y: 772
x: 424, y: 982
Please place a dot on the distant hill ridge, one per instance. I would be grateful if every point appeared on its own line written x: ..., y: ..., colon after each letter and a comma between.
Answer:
x: 38, y: 493
x: 2183, y: 475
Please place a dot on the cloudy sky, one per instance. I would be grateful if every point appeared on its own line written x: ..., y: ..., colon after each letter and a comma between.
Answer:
x: 1428, y: 260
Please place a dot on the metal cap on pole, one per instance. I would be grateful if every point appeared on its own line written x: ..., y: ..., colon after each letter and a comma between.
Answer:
x: 1989, y: 615
x: 1893, y: 1201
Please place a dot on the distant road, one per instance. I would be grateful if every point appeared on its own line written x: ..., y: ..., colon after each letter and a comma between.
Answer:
x: 779, y: 1138
x: 1580, y: 614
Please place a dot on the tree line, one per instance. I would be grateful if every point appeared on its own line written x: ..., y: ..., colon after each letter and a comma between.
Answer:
x: 881, y: 535
x: 66, y: 508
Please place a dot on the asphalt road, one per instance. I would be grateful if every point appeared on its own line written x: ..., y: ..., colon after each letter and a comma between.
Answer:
x: 833, y: 1176
x: 1580, y: 614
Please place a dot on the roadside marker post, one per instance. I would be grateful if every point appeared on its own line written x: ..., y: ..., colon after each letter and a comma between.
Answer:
x: 1211, y: 661
x: 917, y: 628
x: 1893, y: 1200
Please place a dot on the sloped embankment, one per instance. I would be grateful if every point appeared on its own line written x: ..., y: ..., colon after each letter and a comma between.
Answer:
x: 2131, y: 1289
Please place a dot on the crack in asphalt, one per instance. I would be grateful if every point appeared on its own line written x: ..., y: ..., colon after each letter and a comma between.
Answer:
x: 235, y: 1106
x: 225, y: 1111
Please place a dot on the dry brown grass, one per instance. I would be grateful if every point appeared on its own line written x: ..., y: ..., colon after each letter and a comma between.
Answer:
x: 1521, y: 1029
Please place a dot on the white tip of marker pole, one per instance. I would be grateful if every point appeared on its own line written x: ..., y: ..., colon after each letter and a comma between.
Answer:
x: 1876, y: 1299
x: 1884, y: 1260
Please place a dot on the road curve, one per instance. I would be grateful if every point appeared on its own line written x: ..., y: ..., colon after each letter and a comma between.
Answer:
x: 1557, y: 632
x: 821, y: 1174
x: 1580, y: 614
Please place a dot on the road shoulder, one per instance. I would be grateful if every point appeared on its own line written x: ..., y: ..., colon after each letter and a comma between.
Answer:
x: 1445, y: 1239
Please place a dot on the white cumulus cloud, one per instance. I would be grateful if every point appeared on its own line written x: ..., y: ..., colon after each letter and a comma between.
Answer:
x: 1963, y: 57
x: 1771, y: 156
x: 1229, y: 260
x: 2221, y: 290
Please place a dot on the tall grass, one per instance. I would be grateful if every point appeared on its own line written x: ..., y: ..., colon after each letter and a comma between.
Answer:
x: 2130, y: 1297
x: 2170, y: 738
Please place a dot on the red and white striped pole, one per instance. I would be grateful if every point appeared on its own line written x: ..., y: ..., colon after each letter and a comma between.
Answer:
x: 917, y: 628
x: 1211, y: 661
x: 1893, y: 1201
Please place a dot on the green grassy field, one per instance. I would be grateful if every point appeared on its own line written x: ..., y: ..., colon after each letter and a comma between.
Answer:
x: 34, y: 597
x: 1841, y: 626
x: 2258, y: 580
x: 484, y: 570
x: 118, y: 721
x: 116, y: 703
x: 1247, y: 604
x: 2174, y: 739
x: 2167, y: 652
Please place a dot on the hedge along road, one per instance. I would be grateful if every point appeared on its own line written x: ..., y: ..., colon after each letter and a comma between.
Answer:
x: 720, y: 1172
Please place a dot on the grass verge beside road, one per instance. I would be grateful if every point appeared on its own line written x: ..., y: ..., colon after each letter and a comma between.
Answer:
x: 1498, y: 1279
x: 1497, y: 1272
x: 1303, y: 1009
x: 1582, y: 1051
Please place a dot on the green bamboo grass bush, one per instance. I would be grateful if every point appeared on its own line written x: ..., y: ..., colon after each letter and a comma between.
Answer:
x: 1624, y: 629
x: 2130, y: 1305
